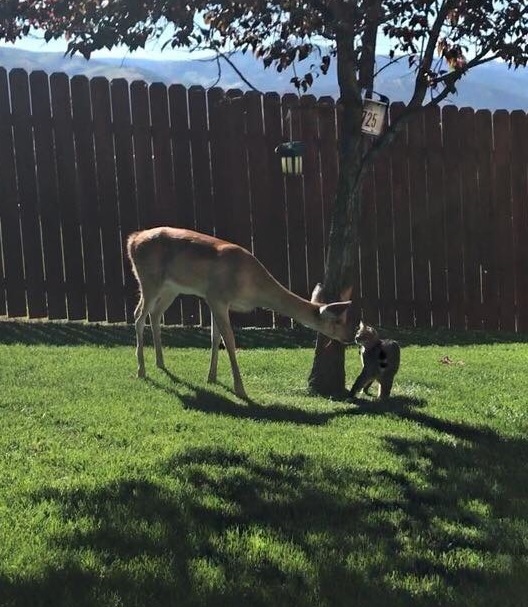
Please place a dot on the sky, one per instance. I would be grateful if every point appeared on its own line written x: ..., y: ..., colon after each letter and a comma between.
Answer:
x: 153, y: 50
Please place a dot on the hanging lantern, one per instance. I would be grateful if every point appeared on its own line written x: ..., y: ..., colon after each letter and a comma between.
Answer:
x: 374, y: 114
x: 291, y: 157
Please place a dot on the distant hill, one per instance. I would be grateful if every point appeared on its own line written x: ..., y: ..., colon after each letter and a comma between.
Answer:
x: 491, y: 86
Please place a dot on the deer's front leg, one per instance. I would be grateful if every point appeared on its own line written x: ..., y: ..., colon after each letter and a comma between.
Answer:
x: 221, y: 318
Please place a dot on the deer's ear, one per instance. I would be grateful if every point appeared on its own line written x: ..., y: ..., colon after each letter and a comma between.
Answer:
x: 316, y: 293
x: 346, y: 294
x: 334, y: 310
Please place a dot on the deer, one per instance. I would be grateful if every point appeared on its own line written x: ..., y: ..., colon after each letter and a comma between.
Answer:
x: 170, y: 261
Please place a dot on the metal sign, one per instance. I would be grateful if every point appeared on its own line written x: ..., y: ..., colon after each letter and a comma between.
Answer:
x: 373, y: 117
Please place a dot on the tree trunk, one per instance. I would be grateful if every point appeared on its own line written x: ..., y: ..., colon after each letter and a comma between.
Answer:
x: 328, y: 371
x: 328, y: 376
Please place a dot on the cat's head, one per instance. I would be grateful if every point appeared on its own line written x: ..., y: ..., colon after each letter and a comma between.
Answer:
x: 366, y: 336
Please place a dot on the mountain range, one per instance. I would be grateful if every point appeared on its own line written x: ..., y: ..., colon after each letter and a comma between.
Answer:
x: 491, y: 86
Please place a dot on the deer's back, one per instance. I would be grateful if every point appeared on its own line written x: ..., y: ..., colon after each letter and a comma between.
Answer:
x: 198, y: 264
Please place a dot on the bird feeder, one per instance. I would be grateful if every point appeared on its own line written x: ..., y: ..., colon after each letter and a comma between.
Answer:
x: 374, y: 113
x: 291, y: 157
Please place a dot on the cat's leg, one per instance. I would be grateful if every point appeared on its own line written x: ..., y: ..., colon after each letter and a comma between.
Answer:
x: 385, y: 387
x: 362, y: 380
x: 367, y: 386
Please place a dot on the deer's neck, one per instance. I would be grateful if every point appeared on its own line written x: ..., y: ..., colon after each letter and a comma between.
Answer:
x: 288, y: 304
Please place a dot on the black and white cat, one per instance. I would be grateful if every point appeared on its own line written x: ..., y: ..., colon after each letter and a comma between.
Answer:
x: 380, y: 359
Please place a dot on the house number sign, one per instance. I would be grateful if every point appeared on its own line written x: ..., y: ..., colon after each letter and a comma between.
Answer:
x: 373, y: 117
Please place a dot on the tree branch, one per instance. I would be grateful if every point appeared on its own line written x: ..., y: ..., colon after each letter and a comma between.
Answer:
x: 368, y: 44
x: 427, y: 59
x: 238, y: 72
x: 389, y: 63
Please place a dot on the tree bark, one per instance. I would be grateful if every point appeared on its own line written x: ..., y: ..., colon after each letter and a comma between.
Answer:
x: 328, y: 371
x: 327, y: 376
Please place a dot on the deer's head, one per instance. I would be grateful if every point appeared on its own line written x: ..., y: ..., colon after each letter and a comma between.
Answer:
x: 337, y: 319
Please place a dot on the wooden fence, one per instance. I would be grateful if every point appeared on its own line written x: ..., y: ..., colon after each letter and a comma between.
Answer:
x: 444, y: 235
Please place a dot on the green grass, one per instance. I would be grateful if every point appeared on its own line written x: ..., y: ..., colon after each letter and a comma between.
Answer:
x: 168, y: 492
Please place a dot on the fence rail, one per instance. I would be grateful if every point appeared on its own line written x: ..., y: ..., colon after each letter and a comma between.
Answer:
x: 444, y: 233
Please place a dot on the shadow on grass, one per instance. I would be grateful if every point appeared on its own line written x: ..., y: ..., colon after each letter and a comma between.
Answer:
x: 80, y: 333
x: 207, y: 401
x: 219, y: 526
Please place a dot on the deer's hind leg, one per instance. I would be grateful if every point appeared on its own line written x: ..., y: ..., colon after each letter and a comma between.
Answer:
x: 163, y: 301
x: 150, y: 303
x: 215, y: 345
x: 140, y: 318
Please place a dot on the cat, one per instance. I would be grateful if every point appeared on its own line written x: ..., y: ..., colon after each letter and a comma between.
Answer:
x: 380, y: 359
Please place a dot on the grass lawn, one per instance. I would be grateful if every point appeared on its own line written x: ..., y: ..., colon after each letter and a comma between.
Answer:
x: 168, y: 492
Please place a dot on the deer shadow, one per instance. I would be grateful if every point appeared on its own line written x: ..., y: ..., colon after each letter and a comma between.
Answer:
x: 199, y: 398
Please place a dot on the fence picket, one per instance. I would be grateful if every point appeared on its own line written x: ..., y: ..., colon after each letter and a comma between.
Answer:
x: 455, y: 246
x: 470, y: 218
x: 66, y: 178
x: 87, y: 197
x: 295, y: 219
x: 329, y: 163
x: 368, y: 260
x: 184, y: 210
x: 259, y: 181
x: 277, y: 238
x: 420, y: 228
x: 200, y: 153
x: 163, y: 200
x: 436, y: 217
x: 48, y: 196
x: 9, y: 210
x: 126, y: 183
x: 27, y: 191
x: 384, y: 230
x: 402, y: 222
x: 312, y: 192
x: 107, y: 196
x: 486, y: 221
x: 519, y: 128
x: 502, y: 162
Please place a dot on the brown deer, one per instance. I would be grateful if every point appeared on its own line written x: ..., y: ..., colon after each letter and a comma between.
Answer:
x: 171, y: 261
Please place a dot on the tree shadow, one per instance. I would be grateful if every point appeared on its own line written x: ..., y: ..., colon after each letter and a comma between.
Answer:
x: 448, y: 337
x: 221, y: 526
x: 121, y: 334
